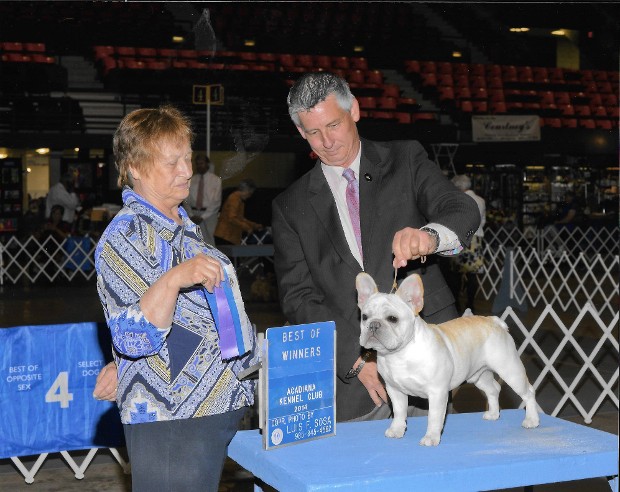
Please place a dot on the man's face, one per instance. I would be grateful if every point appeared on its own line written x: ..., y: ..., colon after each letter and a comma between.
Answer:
x: 201, y: 165
x: 331, y: 131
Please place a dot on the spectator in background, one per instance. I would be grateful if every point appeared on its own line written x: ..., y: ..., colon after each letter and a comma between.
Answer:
x: 569, y: 212
x: 471, y: 260
x: 205, y: 197
x: 31, y: 223
x: 232, y: 222
x: 62, y: 194
x: 55, y: 225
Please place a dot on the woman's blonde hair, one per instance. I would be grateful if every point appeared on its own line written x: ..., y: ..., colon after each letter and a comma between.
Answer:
x: 139, y: 135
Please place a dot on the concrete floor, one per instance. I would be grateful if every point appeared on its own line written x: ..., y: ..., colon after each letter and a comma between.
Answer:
x: 78, y: 302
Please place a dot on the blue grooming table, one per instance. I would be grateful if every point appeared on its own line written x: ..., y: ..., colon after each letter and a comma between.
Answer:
x: 474, y: 454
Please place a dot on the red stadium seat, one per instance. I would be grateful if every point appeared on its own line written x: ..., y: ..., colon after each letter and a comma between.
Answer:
x: 146, y: 52
x: 603, y: 124
x: 391, y: 90
x: 428, y: 66
x: 587, y: 123
x: 445, y: 80
x: 499, y: 107
x: 382, y: 115
x: 34, y: 47
x: 305, y: 61
x: 323, y: 61
x: 412, y: 66
x: 358, y: 62
x: 404, y: 118
x: 125, y: 51
x: 387, y: 102
x: 12, y: 46
x: 367, y: 102
x: 340, y: 62
x: 374, y: 77
x: 553, y: 122
x: 446, y: 93
x: 480, y: 107
x: 569, y: 122
x: 355, y: 77
x: 466, y: 106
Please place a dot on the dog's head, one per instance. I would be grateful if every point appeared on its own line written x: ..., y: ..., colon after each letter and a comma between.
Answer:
x: 388, y: 320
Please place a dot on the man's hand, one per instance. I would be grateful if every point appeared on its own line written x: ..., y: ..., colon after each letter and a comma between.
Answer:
x: 411, y: 244
x: 107, y: 383
x: 369, y: 377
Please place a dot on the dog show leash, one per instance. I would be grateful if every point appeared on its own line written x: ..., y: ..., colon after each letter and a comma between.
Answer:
x: 394, y: 284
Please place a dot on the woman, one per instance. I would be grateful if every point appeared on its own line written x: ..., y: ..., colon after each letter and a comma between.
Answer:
x: 232, y: 222
x: 164, y: 293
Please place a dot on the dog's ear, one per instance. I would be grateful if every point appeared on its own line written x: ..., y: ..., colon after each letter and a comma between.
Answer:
x: 366, y: 287
x: 411, y: 291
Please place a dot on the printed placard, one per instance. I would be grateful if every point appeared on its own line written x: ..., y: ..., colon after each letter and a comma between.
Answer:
x: 299, y: 378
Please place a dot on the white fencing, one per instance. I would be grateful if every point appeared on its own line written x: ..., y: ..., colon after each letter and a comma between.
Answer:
x: 49, y: 259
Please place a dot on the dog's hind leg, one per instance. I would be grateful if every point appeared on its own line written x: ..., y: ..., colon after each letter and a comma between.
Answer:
x: 513, y: 373
x: 487, y: 384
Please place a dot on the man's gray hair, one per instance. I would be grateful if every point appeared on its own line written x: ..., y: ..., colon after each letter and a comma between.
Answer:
x: 462, y: 182
x: 313, y: 88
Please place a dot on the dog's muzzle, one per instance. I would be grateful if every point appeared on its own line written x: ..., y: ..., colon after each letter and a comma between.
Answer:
x: 373, y: 326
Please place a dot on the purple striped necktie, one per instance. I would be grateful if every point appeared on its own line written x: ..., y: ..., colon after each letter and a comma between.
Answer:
x: 353, y: 205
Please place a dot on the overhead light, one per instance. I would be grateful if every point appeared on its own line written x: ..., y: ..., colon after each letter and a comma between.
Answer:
x: 558, y: 32
x: 76, y: 149
x: 42, y: 150
x: 4, y: 153
x: 457, y: 54
x: 28, y: 169
x: 519, y: 29
x: 178, y: 39
x: 249, y: 42
x: 358, y: 48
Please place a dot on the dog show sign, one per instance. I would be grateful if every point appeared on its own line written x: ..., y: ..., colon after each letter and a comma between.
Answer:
x: 298, y: 384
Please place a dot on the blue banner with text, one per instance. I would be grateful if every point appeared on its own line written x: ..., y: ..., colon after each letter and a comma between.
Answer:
x: 47, y: 377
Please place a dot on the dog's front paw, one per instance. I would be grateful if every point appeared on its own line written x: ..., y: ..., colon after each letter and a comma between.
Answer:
x: 429, y: 440
x: 396, y: 431
x: 531, y: 423
x: 489, y: 415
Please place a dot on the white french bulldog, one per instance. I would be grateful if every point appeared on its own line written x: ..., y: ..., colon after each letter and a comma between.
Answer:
x: 419, y: 359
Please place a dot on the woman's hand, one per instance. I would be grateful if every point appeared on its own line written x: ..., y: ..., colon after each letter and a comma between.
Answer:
x: 159, y: 302
x: 201, y: 269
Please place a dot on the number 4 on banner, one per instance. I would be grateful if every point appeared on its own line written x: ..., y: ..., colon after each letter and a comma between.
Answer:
x: 59, y: 391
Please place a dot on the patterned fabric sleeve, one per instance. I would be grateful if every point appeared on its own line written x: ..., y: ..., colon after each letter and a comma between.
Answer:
x: 126, y: 269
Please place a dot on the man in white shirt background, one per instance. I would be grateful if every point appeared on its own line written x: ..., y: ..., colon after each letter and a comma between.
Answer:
x: 205, y: 197
x: 62, y: 194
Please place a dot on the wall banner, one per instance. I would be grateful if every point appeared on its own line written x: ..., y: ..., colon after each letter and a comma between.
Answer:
x: 505, y: 128
x: 47, y: 377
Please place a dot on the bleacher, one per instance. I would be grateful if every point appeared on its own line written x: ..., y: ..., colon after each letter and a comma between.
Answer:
x: 139, y: 67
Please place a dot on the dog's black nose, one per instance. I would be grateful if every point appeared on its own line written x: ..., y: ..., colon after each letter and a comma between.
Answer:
x: 373, y: 326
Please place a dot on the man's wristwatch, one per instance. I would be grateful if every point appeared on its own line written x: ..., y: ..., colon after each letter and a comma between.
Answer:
x: 434, y: 234
x: 355, y: 371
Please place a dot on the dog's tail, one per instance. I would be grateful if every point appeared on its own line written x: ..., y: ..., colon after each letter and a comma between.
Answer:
x: 500, y: 322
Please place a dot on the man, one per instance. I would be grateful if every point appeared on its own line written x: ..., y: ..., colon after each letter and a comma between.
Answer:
x: 205, y: 197
x: 62, y: 194
x: 319, y: 248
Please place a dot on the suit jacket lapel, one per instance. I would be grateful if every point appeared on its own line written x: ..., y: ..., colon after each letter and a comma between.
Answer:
x: 324, y: 205
x: 371, y: 175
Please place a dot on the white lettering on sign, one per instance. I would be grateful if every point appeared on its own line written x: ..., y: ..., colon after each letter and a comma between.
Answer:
x: 302, y: 353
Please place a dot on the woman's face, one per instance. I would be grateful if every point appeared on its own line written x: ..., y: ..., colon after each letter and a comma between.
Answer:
x: 165, y: 181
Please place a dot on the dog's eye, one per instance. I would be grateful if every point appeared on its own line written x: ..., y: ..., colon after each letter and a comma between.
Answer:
x: 364, y: 317
x: 392, y: 319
